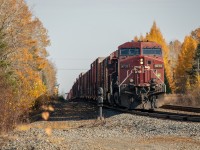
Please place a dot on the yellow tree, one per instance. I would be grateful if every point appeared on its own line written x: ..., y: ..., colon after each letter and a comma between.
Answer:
x: 135, y: 39
x: 156, y: 36
x: 23, y: 42
x: 49, y: 77
x: 20, y: 30
x: 174, y: 49
x: 27, y: 40
x: 185, y: 63
x: 142, y: 38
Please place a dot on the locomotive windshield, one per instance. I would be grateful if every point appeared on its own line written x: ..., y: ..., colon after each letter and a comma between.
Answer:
x: 152, y: 51
x: 129, y: 51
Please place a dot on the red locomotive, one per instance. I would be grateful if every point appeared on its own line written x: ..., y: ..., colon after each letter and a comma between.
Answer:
x: 132, y: 76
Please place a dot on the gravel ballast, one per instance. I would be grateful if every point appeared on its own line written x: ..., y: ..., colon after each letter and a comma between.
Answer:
x: 117, y: 131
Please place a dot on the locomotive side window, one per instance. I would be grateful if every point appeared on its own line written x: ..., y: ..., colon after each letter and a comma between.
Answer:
x: 124, y: 52
x: 134, y: 51
x: 129, y: 51
x: 152, y: 51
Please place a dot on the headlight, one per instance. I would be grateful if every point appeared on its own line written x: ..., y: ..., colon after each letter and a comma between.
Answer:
x: 131, y: 80
x: 141, y: 61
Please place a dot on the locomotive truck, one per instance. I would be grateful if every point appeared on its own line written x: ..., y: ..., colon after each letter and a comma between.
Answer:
x: 132, y: 76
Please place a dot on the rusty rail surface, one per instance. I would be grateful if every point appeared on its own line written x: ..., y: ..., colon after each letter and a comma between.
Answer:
x: 159, y: 114
x: 181, y: 108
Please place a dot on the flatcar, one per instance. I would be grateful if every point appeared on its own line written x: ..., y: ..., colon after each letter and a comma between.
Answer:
x: 132, y: 76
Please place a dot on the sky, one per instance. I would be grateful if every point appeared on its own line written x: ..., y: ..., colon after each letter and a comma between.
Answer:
x: 82, y: 30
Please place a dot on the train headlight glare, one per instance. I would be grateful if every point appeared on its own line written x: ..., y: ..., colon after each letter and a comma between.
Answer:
x: 141, y: 61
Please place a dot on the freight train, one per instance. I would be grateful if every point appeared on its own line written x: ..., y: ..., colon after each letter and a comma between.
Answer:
x: 132, y: 77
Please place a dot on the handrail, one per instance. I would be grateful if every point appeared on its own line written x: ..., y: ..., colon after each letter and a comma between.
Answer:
x: 156, y: 75
x: 128, y: 75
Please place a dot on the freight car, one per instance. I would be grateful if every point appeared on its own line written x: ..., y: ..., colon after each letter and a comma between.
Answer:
x: 132, y: 76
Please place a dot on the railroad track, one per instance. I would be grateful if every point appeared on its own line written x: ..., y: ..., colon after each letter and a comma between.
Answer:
x: 159, y: 114
x: 163, y: 114
x: 181, y: 108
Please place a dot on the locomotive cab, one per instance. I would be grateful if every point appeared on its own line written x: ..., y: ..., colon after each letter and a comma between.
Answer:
x: 140, y: 75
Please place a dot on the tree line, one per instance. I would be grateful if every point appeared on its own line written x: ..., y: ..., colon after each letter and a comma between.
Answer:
x: 26, y: 74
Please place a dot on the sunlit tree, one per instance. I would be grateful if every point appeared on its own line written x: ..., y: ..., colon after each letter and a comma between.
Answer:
x: 23, y: 57
x: 185, y: 63
x: 156, y: 36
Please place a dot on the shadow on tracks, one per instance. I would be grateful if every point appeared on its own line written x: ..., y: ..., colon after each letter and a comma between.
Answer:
x: 76, y: 110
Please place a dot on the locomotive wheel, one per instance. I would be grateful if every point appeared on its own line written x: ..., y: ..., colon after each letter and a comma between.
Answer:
x: 116, y: 98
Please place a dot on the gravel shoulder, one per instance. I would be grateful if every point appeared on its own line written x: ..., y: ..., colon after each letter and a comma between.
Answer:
x: 74, y: 126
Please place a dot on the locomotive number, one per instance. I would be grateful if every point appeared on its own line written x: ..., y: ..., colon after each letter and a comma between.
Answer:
x: 158, y: 66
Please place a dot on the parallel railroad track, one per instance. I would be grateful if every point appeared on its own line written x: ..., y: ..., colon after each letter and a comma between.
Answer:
x: 160, y: 114
x: 187, y: 117
x: 181, y: 108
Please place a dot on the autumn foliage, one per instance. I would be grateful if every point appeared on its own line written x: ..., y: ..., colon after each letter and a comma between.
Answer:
x: 26, y: 73
x: 184, y: 64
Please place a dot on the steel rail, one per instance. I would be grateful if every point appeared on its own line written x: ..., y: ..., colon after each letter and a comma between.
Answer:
x: 182, y: 108
x: 155, y: 113
x: 159, y: 114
